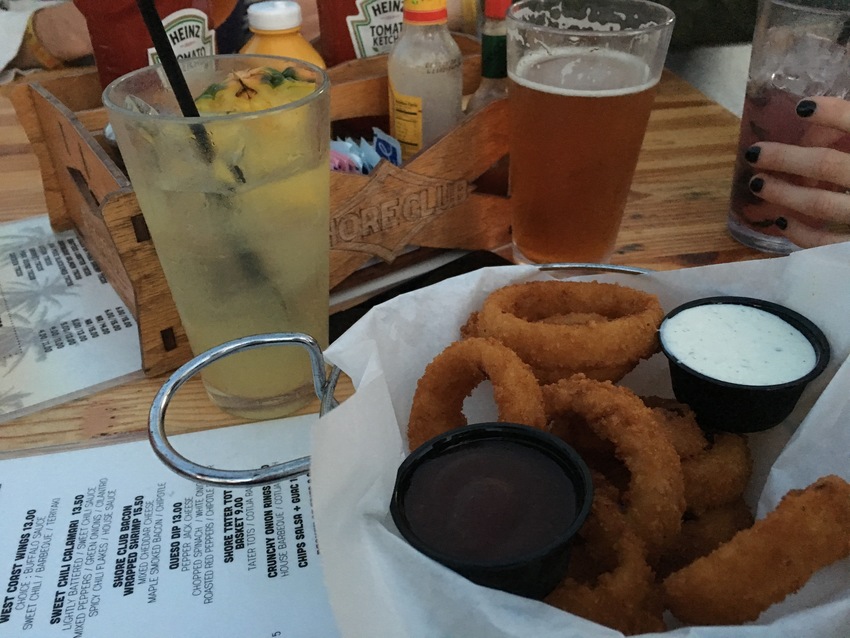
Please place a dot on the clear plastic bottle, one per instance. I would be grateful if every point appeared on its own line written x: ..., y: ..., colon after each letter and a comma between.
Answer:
x: 276, y: 26
x: 425, y: 70
x: 494, y: 65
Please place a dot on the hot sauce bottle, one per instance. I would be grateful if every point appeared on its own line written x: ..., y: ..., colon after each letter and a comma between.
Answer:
x: 494, y: 64
x: 121, y: 42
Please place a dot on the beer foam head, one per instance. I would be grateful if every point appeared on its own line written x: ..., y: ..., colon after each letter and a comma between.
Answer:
x: 632, y: 17
x: 583, y: 71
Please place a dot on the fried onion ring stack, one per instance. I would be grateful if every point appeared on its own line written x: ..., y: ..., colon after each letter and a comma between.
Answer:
x: 679, y: 495
x: 669, y: 527
x: 563, y: 327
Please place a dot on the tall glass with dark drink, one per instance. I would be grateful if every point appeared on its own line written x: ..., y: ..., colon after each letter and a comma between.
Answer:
x: 582, y: 82
x: 798, y: 51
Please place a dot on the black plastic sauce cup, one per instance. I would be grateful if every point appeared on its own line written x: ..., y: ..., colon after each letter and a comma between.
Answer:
x: 721, y: 406
x: 498, y: 503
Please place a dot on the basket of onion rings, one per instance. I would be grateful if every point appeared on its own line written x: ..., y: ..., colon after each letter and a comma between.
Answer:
x: 690, y: 533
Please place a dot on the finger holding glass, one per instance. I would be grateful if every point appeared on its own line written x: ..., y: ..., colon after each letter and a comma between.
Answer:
x: 800, y: 48
x: 813, y: 182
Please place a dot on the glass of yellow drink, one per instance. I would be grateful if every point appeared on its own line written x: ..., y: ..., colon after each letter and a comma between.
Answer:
x: 237, y: 204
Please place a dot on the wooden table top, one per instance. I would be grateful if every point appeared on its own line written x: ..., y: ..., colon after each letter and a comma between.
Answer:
x: 675, y: 218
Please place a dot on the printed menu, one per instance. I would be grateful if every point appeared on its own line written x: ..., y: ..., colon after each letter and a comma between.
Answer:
x: 64, y: 331
x: 108, y: 542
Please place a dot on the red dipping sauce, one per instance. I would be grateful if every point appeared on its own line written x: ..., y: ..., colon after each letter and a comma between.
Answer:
x: 490, y: 501
x: 498, y: 503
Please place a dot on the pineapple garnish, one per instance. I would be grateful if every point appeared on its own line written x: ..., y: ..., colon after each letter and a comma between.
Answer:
x: 253, y: 90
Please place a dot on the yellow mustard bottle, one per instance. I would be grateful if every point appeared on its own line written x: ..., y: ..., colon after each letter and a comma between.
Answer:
x: 276, y: 26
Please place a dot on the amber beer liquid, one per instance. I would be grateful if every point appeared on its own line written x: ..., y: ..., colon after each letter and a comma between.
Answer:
x: 572, y: 161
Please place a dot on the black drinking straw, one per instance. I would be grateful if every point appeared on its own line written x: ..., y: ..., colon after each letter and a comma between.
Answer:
x: 177, y: 81
x: 172, y: 71
x: 169, y: 60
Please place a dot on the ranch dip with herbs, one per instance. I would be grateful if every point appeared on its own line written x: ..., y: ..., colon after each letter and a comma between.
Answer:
x: 738, y: 344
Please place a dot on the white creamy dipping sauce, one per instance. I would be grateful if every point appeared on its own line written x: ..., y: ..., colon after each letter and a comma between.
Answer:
x: 738, y: 344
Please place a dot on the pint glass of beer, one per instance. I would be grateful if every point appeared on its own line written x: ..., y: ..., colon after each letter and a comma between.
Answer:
x: 582, y: 80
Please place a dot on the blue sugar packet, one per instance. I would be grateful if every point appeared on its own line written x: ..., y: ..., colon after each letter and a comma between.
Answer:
x: 387, y: 147
x: 369, y: 155
x: 351, y: 156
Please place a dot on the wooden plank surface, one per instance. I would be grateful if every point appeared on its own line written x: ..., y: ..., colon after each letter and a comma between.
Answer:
x: 675, y: 218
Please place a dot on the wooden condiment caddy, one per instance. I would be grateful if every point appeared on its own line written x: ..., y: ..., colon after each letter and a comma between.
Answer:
x: 428, y: 202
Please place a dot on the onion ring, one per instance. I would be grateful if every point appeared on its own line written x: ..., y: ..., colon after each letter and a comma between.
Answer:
x: 625, y: 598
x: 704, y: 533
x: 679, y: 423
x: 563, y: 327
x: 655, y: 494
x: 456, y: 372
x: 676, y: 420
x: 760, y: 566
x: 597, y: 452
x: 719, y: 475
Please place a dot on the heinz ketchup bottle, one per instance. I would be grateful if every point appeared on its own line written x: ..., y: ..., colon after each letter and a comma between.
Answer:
x: 121, y: 42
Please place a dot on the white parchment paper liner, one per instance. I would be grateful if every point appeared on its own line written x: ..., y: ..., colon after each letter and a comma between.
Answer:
x: 382, y: 588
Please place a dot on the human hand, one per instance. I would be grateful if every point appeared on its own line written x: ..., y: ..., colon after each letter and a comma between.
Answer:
x: 825, y: 202
x: 62, y: 30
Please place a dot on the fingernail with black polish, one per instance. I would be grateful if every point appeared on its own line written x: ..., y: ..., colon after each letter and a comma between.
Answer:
x: 756, y: 184
x: 781, y: 223
x: 752, y: 154
x: 806, y: 108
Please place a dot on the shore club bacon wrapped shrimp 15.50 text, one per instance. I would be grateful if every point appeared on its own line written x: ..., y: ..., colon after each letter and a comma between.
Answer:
x: 669, y: 528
